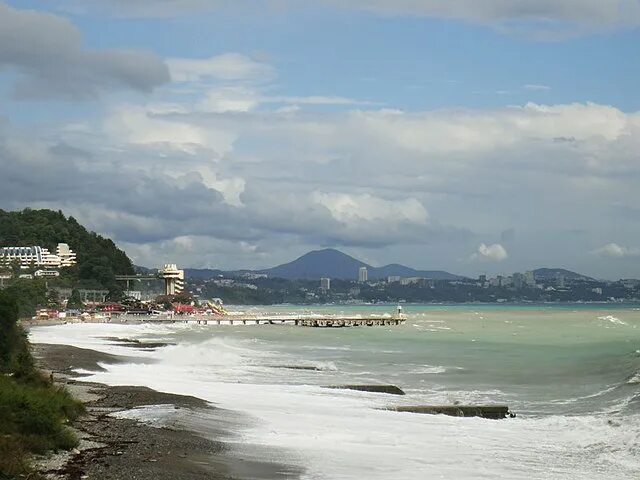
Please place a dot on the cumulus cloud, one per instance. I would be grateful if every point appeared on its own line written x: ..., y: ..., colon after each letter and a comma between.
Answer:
x: 227, y: 66
x: 613, y: 250
x: 348, y: 208
x: 489, y: 253
x: 47, y: 55
x: 344, y: 177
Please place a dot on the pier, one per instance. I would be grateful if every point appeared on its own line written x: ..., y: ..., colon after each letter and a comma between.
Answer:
x: 302, y: 321
x: 314, y: 321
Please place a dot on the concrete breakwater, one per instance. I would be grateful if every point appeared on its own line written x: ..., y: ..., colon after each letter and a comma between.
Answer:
x: 388, y: 389
x: 494, y: 412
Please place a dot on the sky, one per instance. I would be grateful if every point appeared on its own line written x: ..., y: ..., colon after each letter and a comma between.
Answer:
x: 476, y: 136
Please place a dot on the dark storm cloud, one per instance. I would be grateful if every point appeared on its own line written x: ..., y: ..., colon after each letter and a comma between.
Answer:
x: 48, y: 56
x: 136, y: 204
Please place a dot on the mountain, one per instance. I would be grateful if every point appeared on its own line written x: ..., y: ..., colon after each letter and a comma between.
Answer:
x: 144, y: 270
x: 396, y: 269
x: 335, y: 264
x: 554, y: 273
x: 319, y: 263
x: 202, y: 273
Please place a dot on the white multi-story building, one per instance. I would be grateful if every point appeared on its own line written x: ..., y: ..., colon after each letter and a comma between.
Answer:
x: 37, y: 256
x: 173, y: 279
x: 325, y: 283
x: 66, y: 255
x: 530, y: 278
x: 363, y: 275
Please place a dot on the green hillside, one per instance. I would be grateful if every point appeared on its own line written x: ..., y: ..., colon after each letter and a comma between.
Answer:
x: 99, y: 260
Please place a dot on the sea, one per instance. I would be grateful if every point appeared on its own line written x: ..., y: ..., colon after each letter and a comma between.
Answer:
x: 571, y: 373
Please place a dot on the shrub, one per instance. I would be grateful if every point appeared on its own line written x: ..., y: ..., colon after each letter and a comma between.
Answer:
x: 36, y: 414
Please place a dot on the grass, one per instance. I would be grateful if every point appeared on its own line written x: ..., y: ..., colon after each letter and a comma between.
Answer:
x: 33, y: 413
x: 33, y: 416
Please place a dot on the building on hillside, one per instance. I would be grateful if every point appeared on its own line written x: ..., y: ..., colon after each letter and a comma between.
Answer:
x: 363, y: 275
x: 173, y: 279
x: 529, y: 279
x: 393, y: 279
x: 66, y: 256
x: 86, y: 295
x: 46, y: 273
x: 325, y: 283
x: 254, y: 275
x: 135, y: 294
x: 36, y: 256
x: 519, y: 280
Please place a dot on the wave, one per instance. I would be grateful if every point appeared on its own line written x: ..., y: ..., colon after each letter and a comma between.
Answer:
x: 612, y: 319
x: 634, y: 379
x: 428, y: 370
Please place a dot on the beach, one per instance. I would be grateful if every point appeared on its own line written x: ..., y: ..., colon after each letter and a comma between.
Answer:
x: 570, y: 373
x: 116, y: 448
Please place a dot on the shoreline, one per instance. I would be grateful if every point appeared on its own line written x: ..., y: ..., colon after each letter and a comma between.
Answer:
x: 114, y: 447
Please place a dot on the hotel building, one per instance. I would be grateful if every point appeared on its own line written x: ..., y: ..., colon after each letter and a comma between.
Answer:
x: 39, y: 256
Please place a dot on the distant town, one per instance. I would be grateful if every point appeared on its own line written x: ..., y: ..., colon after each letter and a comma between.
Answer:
x: 259, y: 288
x: 324, y: 276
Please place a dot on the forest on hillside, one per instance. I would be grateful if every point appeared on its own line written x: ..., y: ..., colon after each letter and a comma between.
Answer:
x: 98, y: 258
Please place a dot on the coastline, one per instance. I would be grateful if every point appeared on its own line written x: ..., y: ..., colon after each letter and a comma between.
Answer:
x: 113, y: 447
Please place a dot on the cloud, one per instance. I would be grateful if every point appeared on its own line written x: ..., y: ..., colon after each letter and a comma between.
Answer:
x: 46, y: 53
x: 348, y: 208
x: 613, y: 250
x: 548, y: 15
x: 227, y: 66
x: 405, y: 181
x: 489, y: 253
x: 536, y: 88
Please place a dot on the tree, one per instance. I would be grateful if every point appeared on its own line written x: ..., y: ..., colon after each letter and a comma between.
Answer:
x: 75, y: 300
x: 14, y: 350
x: 99, y: 260
x: 29, y: 294
x: 53, y: 299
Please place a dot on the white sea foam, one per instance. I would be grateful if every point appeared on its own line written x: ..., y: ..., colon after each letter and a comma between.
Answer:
x: 342, y: 434
x: 635, y: 379
x: 429, y: 369
x: 612, y: 319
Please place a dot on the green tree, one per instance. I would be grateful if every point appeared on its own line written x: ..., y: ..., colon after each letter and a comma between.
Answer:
x: 75, y: 300
x: 8, y: 330
x: 15, y: 357
x: 29, y: 294
x: 98, y: 258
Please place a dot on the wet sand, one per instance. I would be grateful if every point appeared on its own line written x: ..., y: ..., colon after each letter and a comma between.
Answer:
x: 121, y: 448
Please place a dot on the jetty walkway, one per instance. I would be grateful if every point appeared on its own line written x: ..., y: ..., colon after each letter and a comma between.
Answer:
x: 324, y: 321
x: 299, y: 321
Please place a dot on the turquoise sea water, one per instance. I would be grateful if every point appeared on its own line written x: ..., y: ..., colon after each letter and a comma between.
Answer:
x: 570, y: 372
x: 542, y: 358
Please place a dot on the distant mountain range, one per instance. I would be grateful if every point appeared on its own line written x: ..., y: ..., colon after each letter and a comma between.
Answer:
x: 333, y: 263
x: 555, y: 273
x: 329, y: 263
